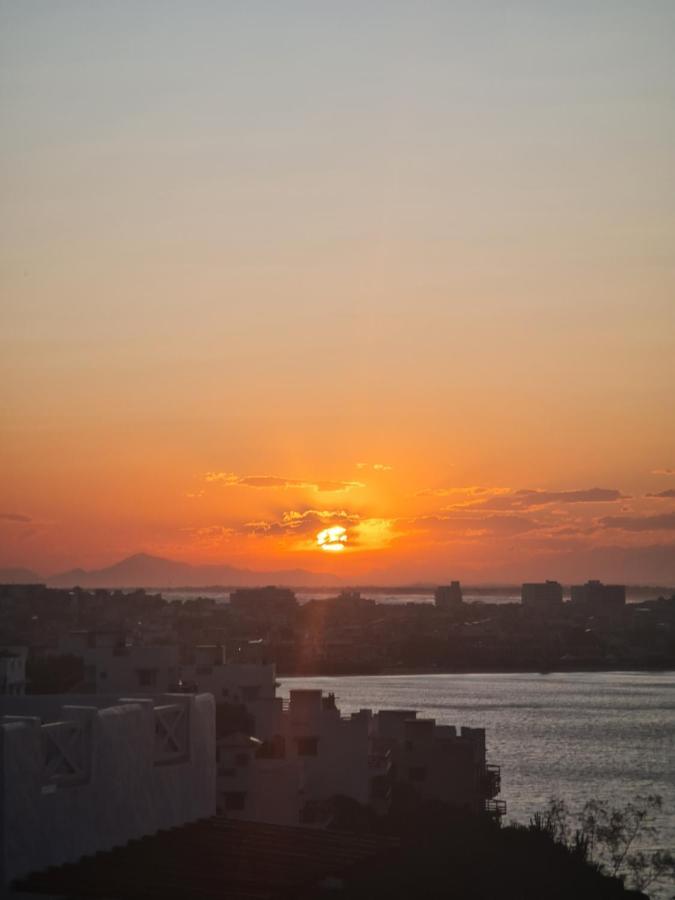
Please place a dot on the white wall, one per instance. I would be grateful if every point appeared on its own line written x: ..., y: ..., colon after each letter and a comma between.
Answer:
x: 122, y: 791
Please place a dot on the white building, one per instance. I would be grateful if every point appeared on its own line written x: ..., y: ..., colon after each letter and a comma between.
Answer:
x: 310, y: 753
x: 89, y: 776
x: 111, y: 665
x: 314, y: 754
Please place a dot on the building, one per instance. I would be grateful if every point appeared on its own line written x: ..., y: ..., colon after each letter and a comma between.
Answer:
x: 543, y: 596
x: 595, y: 598
x: 13, y: 670
x: 268, y: 601
x: 80, y: 774
x: 289, y: 777
x: 309, y: 754
x: 112, y: 664
x: 448, y: 596
x: 438, y: 762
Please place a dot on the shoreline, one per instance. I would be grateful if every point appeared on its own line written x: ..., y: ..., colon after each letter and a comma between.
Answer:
x: 520, y: 670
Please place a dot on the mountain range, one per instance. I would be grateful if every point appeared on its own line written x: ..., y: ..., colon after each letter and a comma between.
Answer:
x: 142, y: 570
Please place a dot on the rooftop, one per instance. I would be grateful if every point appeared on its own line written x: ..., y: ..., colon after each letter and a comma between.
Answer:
x: 216, y: 858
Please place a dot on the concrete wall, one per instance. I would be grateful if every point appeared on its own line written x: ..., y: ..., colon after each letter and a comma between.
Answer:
x: 130, y: 774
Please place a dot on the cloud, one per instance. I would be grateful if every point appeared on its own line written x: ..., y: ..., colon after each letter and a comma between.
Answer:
x: 476, y: 525
x: 663, y: 494
x: 212, y: 531
x: 472, y: 490
x: 300, y: 522
x: 279, y: 483
x: 665, y: 471
x: 531, y: 499
x: 15, y: 517
x: 663, y: 522
x: 376, y: 467
x: 210, y: 535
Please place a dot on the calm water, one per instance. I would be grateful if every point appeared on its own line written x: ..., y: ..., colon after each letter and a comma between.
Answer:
x: 575, y: 736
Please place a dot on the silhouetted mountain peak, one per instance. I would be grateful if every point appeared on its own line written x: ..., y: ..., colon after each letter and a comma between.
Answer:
x: 146, y: 570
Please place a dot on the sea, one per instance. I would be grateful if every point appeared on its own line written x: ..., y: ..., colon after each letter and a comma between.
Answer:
x: 480, y: 594
x: 574, y: 736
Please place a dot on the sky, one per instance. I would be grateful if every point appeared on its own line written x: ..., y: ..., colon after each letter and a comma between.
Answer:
x: 406, y: 269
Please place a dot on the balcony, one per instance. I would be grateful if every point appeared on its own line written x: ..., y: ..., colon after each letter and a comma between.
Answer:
x: 491, y: 781
x: 495, y: 808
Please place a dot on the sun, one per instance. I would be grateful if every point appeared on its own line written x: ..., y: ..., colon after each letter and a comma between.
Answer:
x: 333, y: 539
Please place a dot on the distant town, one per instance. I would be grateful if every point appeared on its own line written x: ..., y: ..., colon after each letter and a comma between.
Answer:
x: 55, y: 630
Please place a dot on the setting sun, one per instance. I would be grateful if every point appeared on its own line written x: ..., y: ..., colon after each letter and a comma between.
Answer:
x: 333, y: 539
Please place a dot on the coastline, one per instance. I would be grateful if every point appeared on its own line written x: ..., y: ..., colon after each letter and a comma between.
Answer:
x: 626, y: 667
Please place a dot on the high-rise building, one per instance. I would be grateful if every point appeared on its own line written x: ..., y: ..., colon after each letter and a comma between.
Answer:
x: 597, y: 597
x: 447, y: 596
x: 545, y: 595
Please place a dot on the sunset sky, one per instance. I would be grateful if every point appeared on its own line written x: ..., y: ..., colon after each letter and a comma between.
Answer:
x: 269, y: 268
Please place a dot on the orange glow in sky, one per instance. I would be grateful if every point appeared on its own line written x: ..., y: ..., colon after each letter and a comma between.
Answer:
x: 409, y: 288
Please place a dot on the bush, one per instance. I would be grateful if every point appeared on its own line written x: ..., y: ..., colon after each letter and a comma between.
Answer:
x: 606, y: 836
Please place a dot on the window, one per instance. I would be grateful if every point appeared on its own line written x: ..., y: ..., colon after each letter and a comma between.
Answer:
x: 204, y: 670
x: 241, y: 759
x: 234, y: 800
x: 147, y: 677
x: 308, y: 746
x: 417, y: 773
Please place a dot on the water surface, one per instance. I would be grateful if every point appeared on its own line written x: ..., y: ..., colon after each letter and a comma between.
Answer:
x: 609, y: 735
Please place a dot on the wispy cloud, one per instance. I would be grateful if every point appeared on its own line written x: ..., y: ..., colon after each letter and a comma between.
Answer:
x: 15, y: 517
x: 526, y: 498
x: 475, y: 525
x: 298, y: 522
x: 211, y: 535
x: 277, y: 482
x: 376, y: 467
x: 664, y: 495
x: 663, y: 522
x: 665, y: 471
x: 468, y: 490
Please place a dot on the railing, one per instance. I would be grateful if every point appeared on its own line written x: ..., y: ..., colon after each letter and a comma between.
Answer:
x: 495, y: 808
x: 491, y: 780
x: 171, y: 734
x: 67, y: 752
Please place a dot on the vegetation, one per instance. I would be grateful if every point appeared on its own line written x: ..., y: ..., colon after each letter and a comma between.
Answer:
x: 444, y: 853
x: 609, y: 838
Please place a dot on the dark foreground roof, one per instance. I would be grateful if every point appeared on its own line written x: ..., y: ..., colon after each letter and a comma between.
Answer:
x: 217, y: 858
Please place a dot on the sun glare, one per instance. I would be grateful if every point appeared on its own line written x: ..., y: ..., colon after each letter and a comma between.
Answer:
x: 332, y: 540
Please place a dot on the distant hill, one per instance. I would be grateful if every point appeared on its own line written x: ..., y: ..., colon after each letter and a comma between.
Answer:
x: 20, y: 576
x: 142, y: 570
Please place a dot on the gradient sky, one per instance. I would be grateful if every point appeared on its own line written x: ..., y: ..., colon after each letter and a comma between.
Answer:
x: 404, y: 267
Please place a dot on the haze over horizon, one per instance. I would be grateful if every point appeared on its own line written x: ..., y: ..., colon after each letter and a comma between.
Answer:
x: 270, y: 270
